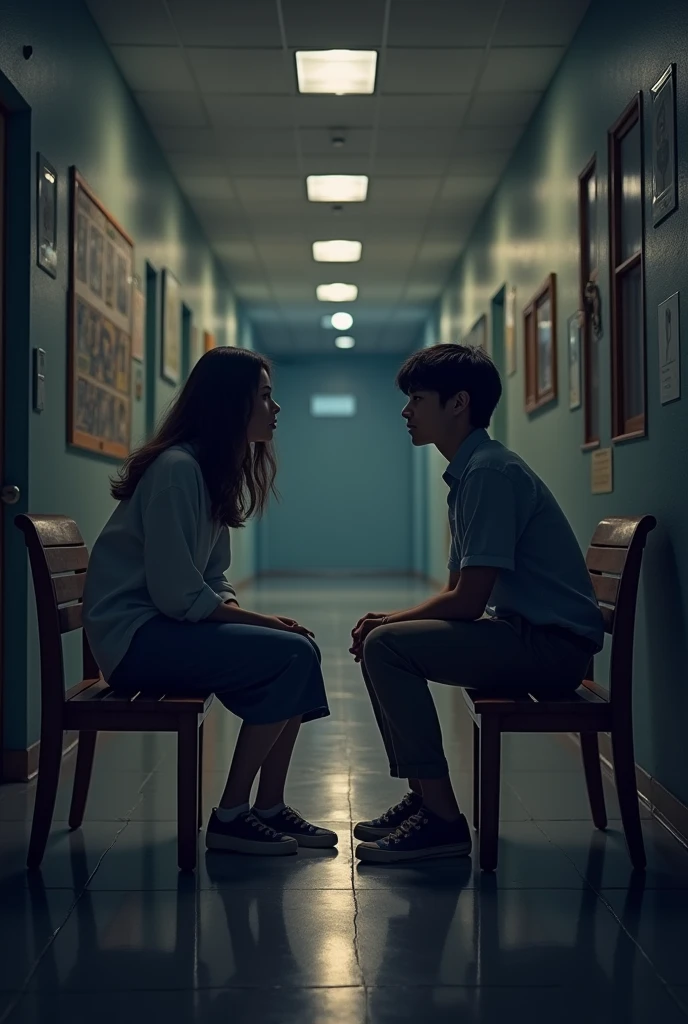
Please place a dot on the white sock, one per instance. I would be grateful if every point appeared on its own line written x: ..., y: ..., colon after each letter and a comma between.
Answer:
x: 230, y: 813
x: 270, y: 812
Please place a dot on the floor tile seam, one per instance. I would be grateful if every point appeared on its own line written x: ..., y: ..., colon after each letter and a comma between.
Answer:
x: 354, y: 894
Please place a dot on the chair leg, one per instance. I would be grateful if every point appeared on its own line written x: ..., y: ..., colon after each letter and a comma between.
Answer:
x: 593, y: 777
x: 476, y: 776
x: 49, y: 762
x: 187, y: 792
x: 490, y: 763
x: 82, y: 776
x: 200, y: 776
x: 627, y: 792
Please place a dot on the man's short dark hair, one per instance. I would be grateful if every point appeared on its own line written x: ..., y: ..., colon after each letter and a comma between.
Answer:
x: 449, y: 369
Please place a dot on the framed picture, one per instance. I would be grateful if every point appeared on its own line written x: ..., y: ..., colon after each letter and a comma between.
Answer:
x: 46, y: 217
x: 510, y: 331
x: 540, y: 338
x: 575, y: 332
x: 138, y: 320
x: 196, y: 345
x: 171, y: 329
x: 664, y: 163
x: 208, y: 341
x: 100, y: 284
x: 669, y: 336
x: 477, y: 336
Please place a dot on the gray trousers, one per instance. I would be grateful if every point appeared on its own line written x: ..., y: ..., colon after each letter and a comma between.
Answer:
x: 505, y: 655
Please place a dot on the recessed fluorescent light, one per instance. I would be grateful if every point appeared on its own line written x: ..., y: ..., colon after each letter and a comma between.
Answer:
x: 336, y: 292
x: 336, y: 71
x: 337, y: 250
x: 344, y: 342
x: 342, y: 321
x: 337, y: 188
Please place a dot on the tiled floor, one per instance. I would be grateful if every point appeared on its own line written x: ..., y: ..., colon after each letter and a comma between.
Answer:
x: 110, y: 931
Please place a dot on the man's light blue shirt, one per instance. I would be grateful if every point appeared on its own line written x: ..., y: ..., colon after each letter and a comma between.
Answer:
x: 501, y: 515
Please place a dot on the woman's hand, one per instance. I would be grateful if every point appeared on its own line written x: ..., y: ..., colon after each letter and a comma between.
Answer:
x: 365, y: 626
x: 290, y: 626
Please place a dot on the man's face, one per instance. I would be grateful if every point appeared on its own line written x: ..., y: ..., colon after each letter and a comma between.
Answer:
x: 427, y: 420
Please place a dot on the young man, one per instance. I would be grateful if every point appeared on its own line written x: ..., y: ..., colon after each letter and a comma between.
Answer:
x: 518, y: 614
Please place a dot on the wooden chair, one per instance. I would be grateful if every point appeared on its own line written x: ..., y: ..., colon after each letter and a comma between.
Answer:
x: 613, y: 559
x: 59, y: 559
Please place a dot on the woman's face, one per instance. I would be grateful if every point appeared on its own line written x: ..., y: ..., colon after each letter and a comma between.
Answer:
x: 263, y: 420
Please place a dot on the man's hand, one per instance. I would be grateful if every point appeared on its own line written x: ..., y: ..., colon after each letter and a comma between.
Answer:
x: 369, y: 615
x: 365, y: 626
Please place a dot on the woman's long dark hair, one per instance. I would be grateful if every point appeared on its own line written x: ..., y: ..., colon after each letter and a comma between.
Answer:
x: 212, y: 413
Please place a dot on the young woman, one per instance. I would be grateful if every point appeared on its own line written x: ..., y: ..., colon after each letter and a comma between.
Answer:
x: 160, y: 614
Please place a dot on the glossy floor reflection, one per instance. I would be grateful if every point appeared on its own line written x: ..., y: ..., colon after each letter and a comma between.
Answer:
x: 111, y: 931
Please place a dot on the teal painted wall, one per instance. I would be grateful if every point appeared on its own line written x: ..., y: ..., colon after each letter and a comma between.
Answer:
x: 529, y: 229
x: 77, y: 111
x: 345, y: 483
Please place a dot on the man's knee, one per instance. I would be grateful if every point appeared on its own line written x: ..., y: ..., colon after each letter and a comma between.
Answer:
x: 375, y: 645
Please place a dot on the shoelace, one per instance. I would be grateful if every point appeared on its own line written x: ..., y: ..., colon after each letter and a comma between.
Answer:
x: 261, y: 826
x: 292, y: 815
x: 406, y: 802
x: 415, y: 822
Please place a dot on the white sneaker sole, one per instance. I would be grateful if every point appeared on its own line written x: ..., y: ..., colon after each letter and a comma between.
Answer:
x: 230, y: 844
x: 370, y: 853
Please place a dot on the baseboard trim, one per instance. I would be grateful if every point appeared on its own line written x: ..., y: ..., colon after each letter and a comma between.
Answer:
x: 326, y: 574
x: 669, y: 811
x: 22, y: 765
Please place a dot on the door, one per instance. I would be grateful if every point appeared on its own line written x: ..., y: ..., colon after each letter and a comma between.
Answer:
x: 2, y: 405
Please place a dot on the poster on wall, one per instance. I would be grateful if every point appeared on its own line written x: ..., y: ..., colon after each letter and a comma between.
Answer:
x: 669, y: 337
x: 171, y: 329
x: 99, y: 396
x: 138, y: 320
x: 510, y: 331
x: 575, y: 366
x: 664, y: 167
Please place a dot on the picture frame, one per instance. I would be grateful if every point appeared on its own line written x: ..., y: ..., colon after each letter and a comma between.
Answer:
x: 99, y: 342
x: 46, y: 216
x: 510, y: 331
x: 664, y: 155
x: 669, y: 341
x: 477, y: 336
x: 138, y: 322
x: 540, y: 344
x: 171, y: 329
x: 575, y: 344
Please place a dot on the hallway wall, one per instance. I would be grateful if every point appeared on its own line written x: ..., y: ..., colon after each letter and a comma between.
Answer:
x: 76, y: 111
x: 345, y: 483
x: 529, y: 229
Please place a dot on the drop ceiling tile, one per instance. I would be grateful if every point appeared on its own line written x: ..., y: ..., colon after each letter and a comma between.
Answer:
x: 200, y: 186
x: 430, y: 71
x: 283, y: 190
x: 223, y: 23
x: 520, y: 68
x: 252, y: 291
x: 421, y: 166
x: 392, y: 192
x: 318, y: 141
x: 423, y: 292
x: 154, y: 68
x: 241, y: 71
x: 262, y: 167
x: 471, y: 164
x: 442, y: 22
x: 133, y: 22
x: 196, y: 165
x: 187, y: 140
x: 312, y: 24
x: 539, y: 22
x: 401, y: 142
x: 476, y: 141
x: 427, y: 111
x: 172, y: 109
x: 459, y: 190
x: 239, y: 254
x: 503, y: 109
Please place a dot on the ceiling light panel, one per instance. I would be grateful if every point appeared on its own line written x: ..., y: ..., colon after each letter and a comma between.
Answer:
x: 337, y: 188
x: 336, y: 292
x: 337, y: 250
x: 341, y: 321
x: 344, y: 342
x: 338, y: 72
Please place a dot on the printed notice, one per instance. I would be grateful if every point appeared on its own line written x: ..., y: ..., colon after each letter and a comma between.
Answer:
x: 669, y: 350
x: 602, y: 479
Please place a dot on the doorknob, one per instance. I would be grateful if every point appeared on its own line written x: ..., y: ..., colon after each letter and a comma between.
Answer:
x: 10, y: 494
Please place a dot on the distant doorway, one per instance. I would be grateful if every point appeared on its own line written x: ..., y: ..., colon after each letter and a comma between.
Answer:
x: 498, y: 353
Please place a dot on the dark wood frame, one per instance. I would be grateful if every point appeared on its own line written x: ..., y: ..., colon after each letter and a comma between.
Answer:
x: 59, y: 561
x: 41, y: 165
x: 533, y: 399
x: 77, y: 438
x: 662, y: 210
x: 167, y: 277
x: 589, y: 171
x: 614, y: 560
x: 623, y: 428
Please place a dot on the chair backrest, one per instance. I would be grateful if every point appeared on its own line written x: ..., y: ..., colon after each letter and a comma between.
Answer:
x: 613, y: 560
x: 59, y: 560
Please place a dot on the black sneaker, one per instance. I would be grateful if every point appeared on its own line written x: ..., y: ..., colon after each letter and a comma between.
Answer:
x: 423, y: 836
x: 290, y: 823
x: 247, y: 834
x: 380, y: 827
